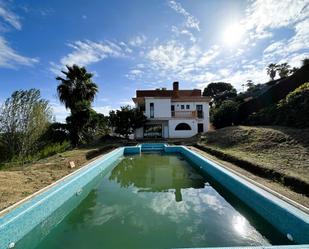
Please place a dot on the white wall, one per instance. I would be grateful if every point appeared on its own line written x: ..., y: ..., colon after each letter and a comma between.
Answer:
x: 162, y: 107
x: 205, y: 120
x: 182, y: 134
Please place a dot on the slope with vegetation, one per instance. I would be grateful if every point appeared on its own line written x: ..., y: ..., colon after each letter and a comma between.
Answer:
x: 274, y: 152
x: 263, y: 104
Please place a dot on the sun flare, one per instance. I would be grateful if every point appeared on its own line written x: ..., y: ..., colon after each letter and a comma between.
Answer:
x: 233, y: 34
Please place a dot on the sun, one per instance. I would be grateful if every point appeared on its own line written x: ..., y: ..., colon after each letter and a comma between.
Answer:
x: 233, y: 34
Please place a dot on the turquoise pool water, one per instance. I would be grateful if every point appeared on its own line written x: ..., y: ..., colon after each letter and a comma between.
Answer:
x: 158, y: 201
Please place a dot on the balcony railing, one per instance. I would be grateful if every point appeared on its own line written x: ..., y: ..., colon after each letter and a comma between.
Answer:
x: 184, y: 114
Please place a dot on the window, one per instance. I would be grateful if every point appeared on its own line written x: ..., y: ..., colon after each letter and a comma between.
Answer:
x: 182, y: 107
x: 173, y: 110
x: 187, y: 107
x: 199, y: 109
x: 151, y: 110
x: 183, y: 127
x: 153, y: 130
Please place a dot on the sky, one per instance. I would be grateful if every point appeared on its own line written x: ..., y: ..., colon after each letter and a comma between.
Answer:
x: 146, y: 44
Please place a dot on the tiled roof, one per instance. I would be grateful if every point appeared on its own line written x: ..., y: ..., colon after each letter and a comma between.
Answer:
x: 169, y: 93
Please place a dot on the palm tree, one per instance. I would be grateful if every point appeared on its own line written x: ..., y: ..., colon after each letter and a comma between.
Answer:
x: 272, y: 70
x: 77, y: 86
x: 283, y: 70
x: 77, y: 91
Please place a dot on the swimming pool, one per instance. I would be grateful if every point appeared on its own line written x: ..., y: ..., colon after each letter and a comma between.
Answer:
x: 168, y: 198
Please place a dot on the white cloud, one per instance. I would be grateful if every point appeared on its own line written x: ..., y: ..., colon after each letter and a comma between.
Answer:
x: 173, y: 60
x: 263, y: 16
x: 138, y: 40
x: 168, y: 56
x: 208, y: 56
x: 126, y: 102
x: 103, y: 109
x: 134, y: 74
x: 10, y: 17
x: 191, y: 21
x: 224, y: 72
x: 9, y: 58
x: 301, y: 38
x: 59, y: 111
x: 185, y: 32
x: 286, y: 48
x: 88, y: 52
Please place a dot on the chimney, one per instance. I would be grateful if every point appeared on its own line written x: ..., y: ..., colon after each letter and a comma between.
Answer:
x: 176, y: 89
x: 176, y: 86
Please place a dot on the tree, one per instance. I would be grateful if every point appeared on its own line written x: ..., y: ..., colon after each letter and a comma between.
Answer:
x: 283, y: 70
x: 305, y: 62
x: 226, y: 114
x: 250, y: 85
x: 96, y: 126
x: 294, y: 70
x: 272, y: 70
x: 219, y: 91
x: 215, y: 88
x: 77, y: 86
x: 126, y: 120
x: 293, y: 110
x: 24, y: 118
x: 77, y: 91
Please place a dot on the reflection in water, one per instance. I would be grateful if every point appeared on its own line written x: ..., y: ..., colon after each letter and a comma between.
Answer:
x: 239, y: 224
x: 156, y: 201
x: 160, y: 175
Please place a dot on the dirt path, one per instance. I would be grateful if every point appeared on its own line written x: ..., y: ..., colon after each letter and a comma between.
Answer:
x: 299, y: 198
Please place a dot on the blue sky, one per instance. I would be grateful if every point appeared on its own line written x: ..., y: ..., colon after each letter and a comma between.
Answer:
x: 137, y: 44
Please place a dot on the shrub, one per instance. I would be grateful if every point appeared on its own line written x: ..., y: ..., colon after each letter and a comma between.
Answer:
x: 226, y: 114
x: 292, y: 111
x: 52, y: 149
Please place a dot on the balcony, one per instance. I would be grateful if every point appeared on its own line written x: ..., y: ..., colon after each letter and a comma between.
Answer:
x: 184, y: 114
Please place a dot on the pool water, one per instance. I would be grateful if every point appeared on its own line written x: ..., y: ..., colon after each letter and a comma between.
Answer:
x: 159, y: 201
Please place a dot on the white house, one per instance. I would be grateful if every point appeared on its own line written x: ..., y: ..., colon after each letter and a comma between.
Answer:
x: 172, y: 113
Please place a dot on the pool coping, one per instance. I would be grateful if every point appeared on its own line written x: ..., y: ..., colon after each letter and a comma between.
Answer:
x: 271, y: 191
x: 10, y: 217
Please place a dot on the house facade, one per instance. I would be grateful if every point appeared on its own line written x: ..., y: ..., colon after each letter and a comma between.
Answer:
x: 172, y: 113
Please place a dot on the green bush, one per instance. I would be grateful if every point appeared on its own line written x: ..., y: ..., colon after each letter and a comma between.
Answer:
x: 226, y: 114
x: 52, y: 149
x: 292, y: 111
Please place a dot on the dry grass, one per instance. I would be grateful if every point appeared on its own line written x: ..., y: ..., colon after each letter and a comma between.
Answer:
x: 285, y: 150
x: 19, y: 182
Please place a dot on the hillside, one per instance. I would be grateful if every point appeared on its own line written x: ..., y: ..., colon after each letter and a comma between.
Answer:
x: 278, y: 151
x: 277, y: 90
